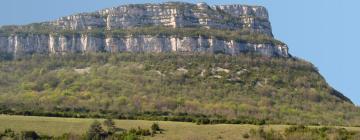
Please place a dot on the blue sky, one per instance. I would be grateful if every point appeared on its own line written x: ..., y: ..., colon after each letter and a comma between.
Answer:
x: 324, y: 32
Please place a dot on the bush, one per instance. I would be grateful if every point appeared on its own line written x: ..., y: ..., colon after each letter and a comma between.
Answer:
x: 110, y: 124
x: 267, y: 135
x: 141, y: 132
x: 96, y: 132
x: 203, y: 121
x: 246, y: 136
x: 130, y: 136
x: 6, y: 56
x: 155, y: 127
x: 29, y: 135
x: 9, y: 133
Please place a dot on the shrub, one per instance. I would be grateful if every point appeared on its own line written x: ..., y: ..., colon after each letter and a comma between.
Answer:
x: 203, y: 121
x: 267, y: 135
x: 6, y: 56
x: 96, y: 132
x: 110, y: 124
x: 9, y: 133
x: 155, y: 127
x: 29, y: 135
x: 130, y: 136
x: 246, y: 136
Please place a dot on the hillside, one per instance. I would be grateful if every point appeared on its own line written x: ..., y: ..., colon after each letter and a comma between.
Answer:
x: 196, y: 88
x: 172, y: 61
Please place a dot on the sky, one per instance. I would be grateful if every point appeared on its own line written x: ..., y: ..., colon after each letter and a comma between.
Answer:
x: 324, y: 32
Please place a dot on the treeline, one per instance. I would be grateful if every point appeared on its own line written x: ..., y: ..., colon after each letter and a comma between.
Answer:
x: 199, y: 88
x: 199, y: 119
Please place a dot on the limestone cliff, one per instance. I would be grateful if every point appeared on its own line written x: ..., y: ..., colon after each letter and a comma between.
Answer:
x: 49, y: 37
x: 173, y: 14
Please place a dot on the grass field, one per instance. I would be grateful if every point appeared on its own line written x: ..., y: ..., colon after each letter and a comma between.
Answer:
x: 173, y: 130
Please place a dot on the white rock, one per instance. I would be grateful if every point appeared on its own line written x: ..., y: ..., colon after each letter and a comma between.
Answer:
x: 83, y: 70
x: 183, y: 70
x: 218, y: 69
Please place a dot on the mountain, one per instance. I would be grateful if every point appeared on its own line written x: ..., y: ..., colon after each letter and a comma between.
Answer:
x: 178, y: 61
x: 167, y: 27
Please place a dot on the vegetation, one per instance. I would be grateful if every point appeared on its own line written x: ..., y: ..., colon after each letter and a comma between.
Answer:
x: 110, y: 124
x: 155, y: 128
x: 95, y: 132
x: 74, y: 127
x: 238, y: 35
x: 204, y: 89
x: 303, y: 133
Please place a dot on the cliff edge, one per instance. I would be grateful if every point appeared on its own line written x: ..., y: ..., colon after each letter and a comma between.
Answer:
x: 165, y: 27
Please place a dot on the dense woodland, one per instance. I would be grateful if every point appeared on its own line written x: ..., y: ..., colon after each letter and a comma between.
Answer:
x: 200, y: 88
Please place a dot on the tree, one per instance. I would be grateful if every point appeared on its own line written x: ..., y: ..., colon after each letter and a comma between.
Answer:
x: 96, y: 132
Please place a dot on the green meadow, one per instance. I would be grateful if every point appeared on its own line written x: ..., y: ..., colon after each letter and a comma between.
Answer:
x: 172, y: 130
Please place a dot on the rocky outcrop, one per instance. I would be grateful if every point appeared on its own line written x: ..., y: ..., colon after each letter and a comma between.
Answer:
x: 58, y: 44
x: 173, y: 14
x: 252, y: 19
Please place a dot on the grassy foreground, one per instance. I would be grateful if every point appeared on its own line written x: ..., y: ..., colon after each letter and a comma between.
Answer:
x: 173, y: 130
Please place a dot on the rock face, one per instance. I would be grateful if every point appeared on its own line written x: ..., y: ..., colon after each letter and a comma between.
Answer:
x: 144, y: 43
x: 172, y: 14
